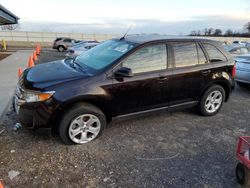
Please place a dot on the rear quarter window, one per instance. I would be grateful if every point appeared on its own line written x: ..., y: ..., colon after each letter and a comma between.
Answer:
x: 214, y: 54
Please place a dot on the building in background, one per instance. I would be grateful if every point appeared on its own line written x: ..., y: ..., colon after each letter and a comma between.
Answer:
x: 6, y: 17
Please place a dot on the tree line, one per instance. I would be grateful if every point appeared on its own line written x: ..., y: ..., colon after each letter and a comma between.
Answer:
x: 218, y: 32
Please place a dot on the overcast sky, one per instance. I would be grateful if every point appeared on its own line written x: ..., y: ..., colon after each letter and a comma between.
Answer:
x: 114, y: 16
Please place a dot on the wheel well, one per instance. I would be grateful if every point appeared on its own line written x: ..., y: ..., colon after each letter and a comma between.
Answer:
x: 223, y: 85
x: 61, y: 46
x: 62, y: 109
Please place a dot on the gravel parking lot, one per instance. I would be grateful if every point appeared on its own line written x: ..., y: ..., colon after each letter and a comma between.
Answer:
x: 179, y: 149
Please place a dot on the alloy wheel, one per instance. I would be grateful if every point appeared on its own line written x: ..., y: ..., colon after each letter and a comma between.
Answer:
x: 84, y: 128
x: 61, y: 49
x: 213, y: 101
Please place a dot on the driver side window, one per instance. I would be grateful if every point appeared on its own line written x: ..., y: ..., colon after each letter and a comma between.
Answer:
x: 147, y: 59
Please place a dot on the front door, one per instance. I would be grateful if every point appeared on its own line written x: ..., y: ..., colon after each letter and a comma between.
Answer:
x: 144, y: 90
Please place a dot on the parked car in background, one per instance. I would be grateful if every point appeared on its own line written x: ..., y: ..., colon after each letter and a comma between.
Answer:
x: 243, y: 70
x: 239, y: 50
x: 63, y: 43
x: 241, y: 55
x: 239, y: 43
x: 76, y: 50
x: 124, y: 77
x: 85, y: 41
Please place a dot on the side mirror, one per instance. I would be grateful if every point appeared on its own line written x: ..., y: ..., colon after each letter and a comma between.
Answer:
x: 123, y: 72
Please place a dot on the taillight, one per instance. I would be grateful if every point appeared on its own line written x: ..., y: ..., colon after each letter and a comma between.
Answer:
x: 234, y: 71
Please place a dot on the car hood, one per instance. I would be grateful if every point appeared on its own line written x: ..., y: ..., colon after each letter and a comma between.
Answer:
x: 52, y: 73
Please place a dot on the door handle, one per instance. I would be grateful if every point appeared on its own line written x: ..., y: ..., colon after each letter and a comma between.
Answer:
x: 162, y: 78
x: 206, y: 72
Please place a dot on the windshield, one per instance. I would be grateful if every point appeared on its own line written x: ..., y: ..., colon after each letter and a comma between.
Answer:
x: 228, y: 48
x: 104, y: 54
x: 86, y: 45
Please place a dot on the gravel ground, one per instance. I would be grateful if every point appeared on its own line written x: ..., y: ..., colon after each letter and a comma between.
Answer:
x: 179, y: 149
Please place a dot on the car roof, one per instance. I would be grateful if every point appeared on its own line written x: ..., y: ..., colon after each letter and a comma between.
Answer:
x: 86, y: 44
x: 64, y: 38
x: 140, y: 39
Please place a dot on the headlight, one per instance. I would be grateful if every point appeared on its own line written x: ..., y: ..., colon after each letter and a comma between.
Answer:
x: 37, y: 97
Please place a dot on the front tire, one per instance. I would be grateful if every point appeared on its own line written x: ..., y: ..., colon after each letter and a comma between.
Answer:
x: 211, y: 101
x: 81, y: 124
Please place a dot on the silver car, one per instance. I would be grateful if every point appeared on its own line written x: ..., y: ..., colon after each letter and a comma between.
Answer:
x: 243, y: 70
x: 239, y: 43
x: 236, y: 51
x: 76, y: 50
x: 63, y: 43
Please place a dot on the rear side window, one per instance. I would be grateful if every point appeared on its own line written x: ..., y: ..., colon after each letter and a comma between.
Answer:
x: 185, y: 54
x: 214, y: 54
x: 147, y: 59
x: 201, y: 56
x: 67, y: 40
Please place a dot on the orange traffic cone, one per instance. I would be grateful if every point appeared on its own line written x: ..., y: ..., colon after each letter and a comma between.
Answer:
x: 37, y: 50
x: 1, y: 185
x: 34, y: 56
x: 31, y: 62
x: 20, y: 71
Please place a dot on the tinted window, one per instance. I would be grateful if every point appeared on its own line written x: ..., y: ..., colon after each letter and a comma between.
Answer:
x: 214, y: 54
x: 67, y: 40
x: 147, y: 59
x: 185, y: 54
x: 201, y: 56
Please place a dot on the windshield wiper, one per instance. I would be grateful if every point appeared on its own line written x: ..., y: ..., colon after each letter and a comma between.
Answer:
x: 79, y: 65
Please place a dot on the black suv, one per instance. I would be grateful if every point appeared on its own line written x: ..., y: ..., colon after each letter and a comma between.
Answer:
x: 124, y: 77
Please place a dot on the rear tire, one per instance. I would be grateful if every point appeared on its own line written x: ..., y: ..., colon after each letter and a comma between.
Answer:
x: 211, y: 101
x: 81, y: 124
x: 240, y: 173
x: 61, y: 48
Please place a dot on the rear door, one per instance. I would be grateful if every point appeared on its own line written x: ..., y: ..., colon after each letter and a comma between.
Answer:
x: 189, y: 70
x: 218, y: 63
x: 67, y: 43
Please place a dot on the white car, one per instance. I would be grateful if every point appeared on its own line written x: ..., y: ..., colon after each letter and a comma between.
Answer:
x: 239, y: 43
x: 76, y: 50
